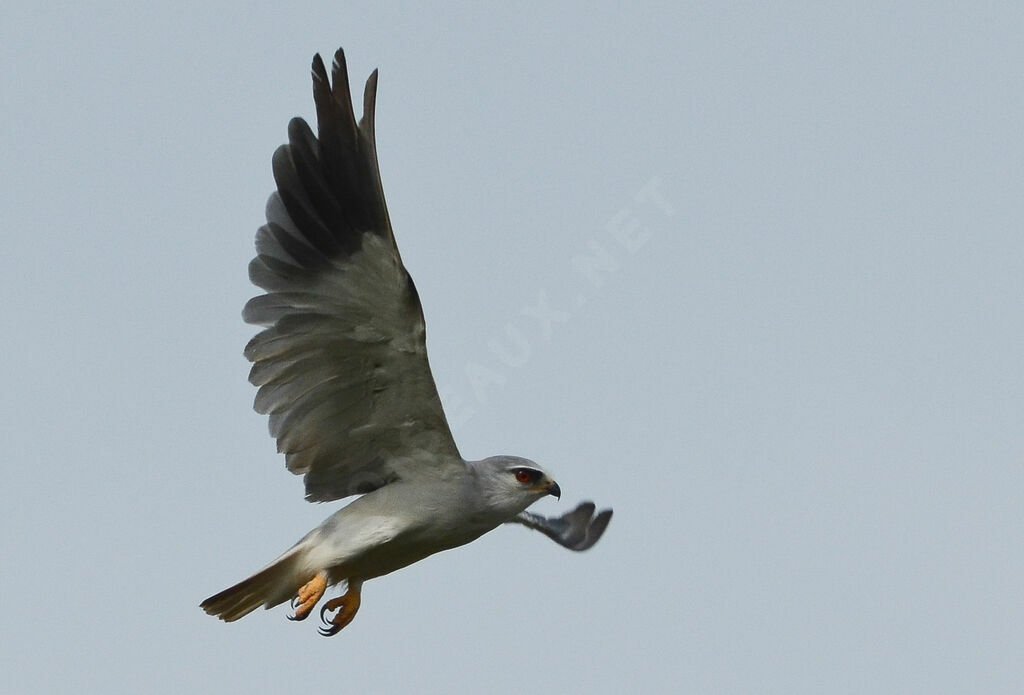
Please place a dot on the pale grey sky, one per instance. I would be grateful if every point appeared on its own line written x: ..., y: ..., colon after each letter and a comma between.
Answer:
x: 793, y: 366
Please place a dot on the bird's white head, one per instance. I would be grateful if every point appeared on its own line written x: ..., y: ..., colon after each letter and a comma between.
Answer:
x: 511, y: 484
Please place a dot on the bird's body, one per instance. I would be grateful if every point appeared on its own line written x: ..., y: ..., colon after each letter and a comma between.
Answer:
x: 405, y: 522
x: 342, y: 371
x: 390, y: 528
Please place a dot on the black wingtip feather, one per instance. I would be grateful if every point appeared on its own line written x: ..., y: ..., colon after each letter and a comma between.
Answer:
x: 339, y: 75
x: 319, y: 71
x: 369, y: 103
x: 301, y: 211
x: 307, y: 163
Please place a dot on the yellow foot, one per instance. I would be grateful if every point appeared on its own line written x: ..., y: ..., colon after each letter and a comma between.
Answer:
x: 311, y: 592
x: 347, y: 606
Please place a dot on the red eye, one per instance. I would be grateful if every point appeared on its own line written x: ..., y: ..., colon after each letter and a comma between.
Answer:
x: 524, y: 476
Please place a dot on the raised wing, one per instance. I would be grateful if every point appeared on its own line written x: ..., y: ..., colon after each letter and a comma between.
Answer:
x: 576, y: 530
x: 342, y: 365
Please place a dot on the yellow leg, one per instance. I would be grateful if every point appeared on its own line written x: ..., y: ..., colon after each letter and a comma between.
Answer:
x: 347, y: 606
x: 311, y: 592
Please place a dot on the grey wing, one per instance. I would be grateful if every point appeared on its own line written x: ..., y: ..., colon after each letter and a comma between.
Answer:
x: 341, y: 365
x: 576, y: 530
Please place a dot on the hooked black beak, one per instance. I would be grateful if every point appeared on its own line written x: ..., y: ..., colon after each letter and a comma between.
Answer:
x: 554, y: 490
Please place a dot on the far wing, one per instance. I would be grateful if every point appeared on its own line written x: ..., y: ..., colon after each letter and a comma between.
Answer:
x: 577, y: 530
x: 342, y: 365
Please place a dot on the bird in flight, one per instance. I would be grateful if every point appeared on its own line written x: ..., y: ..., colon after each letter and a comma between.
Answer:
x: 341, y: 369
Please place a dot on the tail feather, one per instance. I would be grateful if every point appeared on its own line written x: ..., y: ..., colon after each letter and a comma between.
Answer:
x: 269, y: 587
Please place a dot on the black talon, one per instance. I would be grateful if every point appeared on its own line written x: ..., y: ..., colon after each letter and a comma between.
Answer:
x: 328, y: 629
x: 328, y: 633
x: 295, y: 603
x: 323, y: 610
